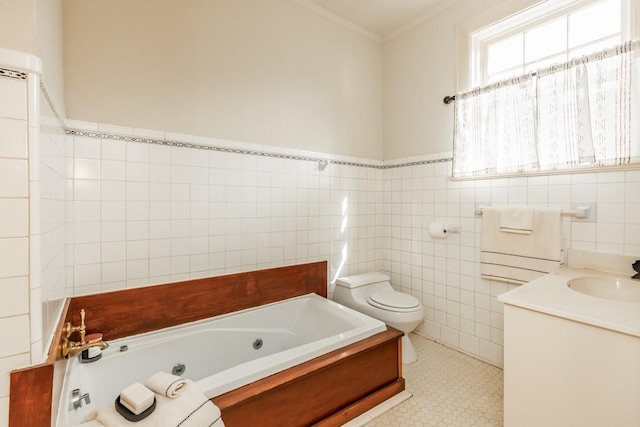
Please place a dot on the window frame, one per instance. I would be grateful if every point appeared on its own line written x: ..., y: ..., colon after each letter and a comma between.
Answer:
x: 513, y: 14
x: 525, y: 20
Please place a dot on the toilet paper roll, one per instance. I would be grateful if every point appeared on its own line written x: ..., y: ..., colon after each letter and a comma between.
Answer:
x: 437, y: 230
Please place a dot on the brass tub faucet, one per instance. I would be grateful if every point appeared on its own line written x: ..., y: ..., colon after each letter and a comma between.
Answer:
x: 72, y: 348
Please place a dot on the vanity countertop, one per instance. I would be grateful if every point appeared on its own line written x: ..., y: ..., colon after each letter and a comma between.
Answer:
x: 550, y: 294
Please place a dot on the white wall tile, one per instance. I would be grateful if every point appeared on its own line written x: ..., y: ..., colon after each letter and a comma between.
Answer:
x: 86, y: 189
x: 4, y: 410
x: 138, y: 191
x: 137, y: 171
x: 87, y: 168
x: 90, y: 274
x: 470, y: 343
x: 86, y: 211
x: 137, y: 152
x: 112, y: 210
x: 189, y: 211
x: 491, y: 352
x: 14, y: 180
x: 113, y: 150
x: 88, y: 148
x: 114, y: 272
x: 14, y: 296
x: 16, y: 338
x: 609, y: 233
x: 13, y: 138
x: 610, y: 192
x: 14, y: 253
x: 8, y: 364
x: 160, y: 154
x: 87, y: 253
x: 14, y: 96
x: 114, y: 170
x: 15, y: 217
x: 113, y: 190
x: 113, y: 251
x: 111, y: 231
x: 138, y: 269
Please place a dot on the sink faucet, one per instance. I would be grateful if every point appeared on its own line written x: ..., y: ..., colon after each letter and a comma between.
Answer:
x: 636, y: 267
x: 72, y: 348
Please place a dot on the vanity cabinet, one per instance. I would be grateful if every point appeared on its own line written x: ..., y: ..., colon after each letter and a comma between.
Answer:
x: 561, y: 372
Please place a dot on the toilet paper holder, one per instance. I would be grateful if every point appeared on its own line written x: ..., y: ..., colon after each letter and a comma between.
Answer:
x: 451, y: 228
x: 439, y: 230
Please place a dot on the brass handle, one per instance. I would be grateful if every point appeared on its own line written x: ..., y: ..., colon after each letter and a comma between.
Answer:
x: 83, y: 328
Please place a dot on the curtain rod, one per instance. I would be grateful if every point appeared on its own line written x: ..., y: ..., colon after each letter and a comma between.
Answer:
x: 625, y: 47
x: 449, y: 99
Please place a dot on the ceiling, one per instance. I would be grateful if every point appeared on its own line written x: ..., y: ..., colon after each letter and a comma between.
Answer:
x: 380, y: 17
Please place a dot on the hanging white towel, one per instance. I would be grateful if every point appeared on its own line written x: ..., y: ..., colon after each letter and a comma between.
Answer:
x: 191, y: 409
x: 517, y: 220
x: 520, y: 258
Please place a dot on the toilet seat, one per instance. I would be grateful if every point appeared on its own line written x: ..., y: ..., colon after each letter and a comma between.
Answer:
x: 394, y: 301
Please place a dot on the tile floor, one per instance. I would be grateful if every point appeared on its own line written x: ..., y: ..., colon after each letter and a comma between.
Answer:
x: 449, y: 389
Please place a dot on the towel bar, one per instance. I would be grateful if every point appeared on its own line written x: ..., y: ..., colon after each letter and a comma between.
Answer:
x: 582, y: 212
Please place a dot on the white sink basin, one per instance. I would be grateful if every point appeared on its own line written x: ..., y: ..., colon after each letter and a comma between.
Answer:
x: 625, y: 290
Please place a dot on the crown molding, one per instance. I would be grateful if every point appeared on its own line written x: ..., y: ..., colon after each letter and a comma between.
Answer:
x: 308, y: 4
x: 432, y: 11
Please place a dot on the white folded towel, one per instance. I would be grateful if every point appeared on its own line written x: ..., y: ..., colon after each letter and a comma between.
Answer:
x: 517, y: 220
x: 520, y: 258
x: 193, y: 409
x: 165, y: 384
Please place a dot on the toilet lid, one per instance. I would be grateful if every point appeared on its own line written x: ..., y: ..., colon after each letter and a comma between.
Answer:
x: 394, y: 301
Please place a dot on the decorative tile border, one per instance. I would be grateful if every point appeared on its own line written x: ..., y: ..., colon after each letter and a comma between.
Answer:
x: 322, y: 162
x: 12, y: 74
x: 50, y: 102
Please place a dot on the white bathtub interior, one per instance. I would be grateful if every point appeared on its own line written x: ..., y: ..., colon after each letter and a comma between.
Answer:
x: 218, y: 353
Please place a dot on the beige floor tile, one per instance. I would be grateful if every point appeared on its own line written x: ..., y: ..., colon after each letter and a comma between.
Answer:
x: 449, y: 389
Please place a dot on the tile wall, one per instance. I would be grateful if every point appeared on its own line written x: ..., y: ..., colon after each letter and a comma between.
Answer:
x: 148, y: 213
x: 53, y: 188
x: 14, y: 234
x: 461, y: 308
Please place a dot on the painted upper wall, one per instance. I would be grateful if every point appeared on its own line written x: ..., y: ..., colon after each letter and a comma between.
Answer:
x: 269, y: 72
x: 49, y: 47
x: 18, y: 25
x: 35, y: 27
x: 420, y: 69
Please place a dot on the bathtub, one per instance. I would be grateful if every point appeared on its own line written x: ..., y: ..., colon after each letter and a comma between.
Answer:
x: 221, y: 353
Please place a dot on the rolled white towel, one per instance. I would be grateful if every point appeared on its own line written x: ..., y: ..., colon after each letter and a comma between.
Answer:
x: 165, y: 384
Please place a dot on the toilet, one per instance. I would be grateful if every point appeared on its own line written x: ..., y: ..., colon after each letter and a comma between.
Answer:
x: 372, y: 294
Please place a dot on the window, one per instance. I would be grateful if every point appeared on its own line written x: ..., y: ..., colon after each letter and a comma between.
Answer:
x: 556, y: 88
x: 551, y: 32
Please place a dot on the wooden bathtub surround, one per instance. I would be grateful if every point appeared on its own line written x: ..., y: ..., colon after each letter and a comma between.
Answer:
x: 133, y: 311
x: 326, y: 391
x: 31, y: 396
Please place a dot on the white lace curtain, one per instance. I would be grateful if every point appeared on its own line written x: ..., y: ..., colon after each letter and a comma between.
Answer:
x: 585, y: 112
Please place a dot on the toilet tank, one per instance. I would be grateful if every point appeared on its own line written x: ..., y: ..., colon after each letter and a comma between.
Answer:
x: 358, y: 280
